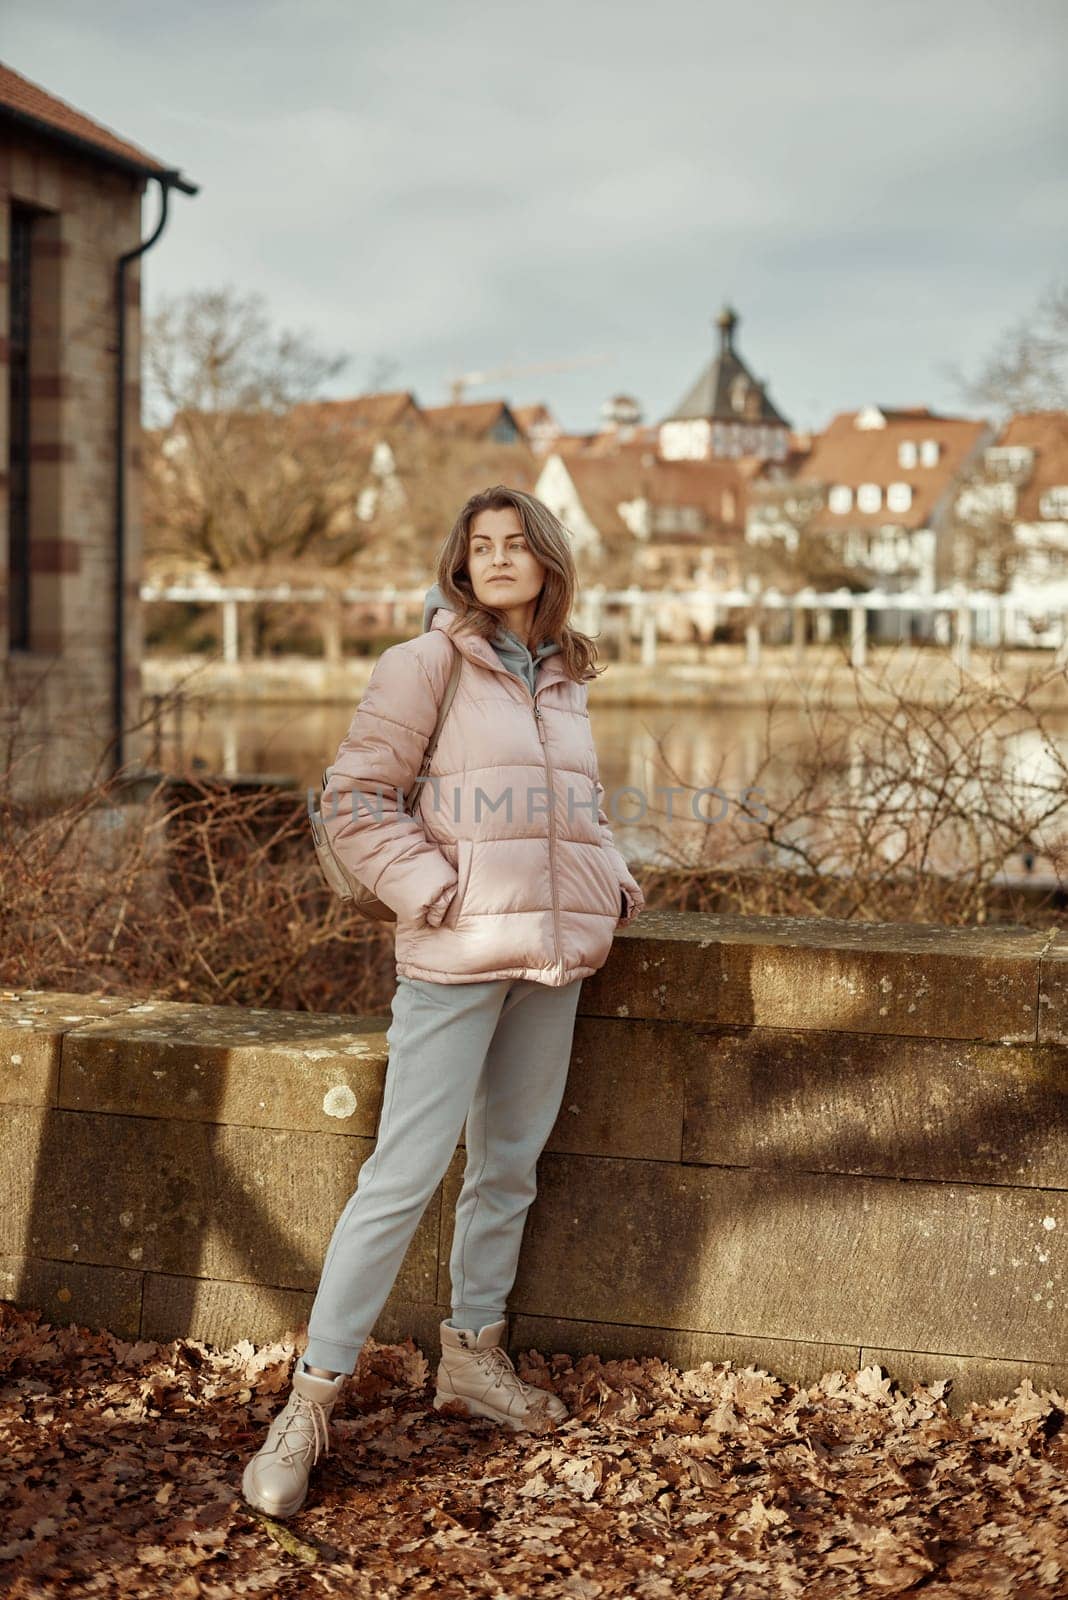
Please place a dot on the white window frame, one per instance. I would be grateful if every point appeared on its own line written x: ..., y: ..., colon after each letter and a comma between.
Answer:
x: 869, y: 497
x: 930, y: 452
x: 840, y: 499
x: 899, y: 497
x: 1053, y: 503
x: 908, y: 454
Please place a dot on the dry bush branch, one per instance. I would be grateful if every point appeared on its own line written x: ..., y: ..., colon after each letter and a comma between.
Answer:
x: 194, y: 892
x: 900, y: 805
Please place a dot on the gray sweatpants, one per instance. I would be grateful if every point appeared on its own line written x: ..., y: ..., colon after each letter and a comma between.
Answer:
x: 495, y: 1054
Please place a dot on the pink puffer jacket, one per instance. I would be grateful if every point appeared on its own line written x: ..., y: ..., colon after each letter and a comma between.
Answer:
x: 488, y: 880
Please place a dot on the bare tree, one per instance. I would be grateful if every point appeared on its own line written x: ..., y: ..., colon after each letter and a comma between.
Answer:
x: 796, y: 553
x: 983, y: 548
x: 411, y: 509
x: 239, y: 478
x: 1027, y: 370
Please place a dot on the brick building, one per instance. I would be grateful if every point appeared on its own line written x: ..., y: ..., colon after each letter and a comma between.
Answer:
x: 70, y: 191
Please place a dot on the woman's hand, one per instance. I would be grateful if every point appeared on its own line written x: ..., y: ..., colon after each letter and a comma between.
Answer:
x: 632, y: 903
x: 437, y: 909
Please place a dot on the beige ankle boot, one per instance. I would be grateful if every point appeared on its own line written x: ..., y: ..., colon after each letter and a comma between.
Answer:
x: 477, y: 1371
x: 276, y: 1479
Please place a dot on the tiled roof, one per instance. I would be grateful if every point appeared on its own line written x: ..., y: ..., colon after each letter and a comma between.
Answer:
x: 363, y: 411
x: 25, y: 101
x: 528, y: 416
x: 712, y: 397
x: 1046, y: 432
x: 848, y: 455
x: 603, y: 482
x: 610, y: 441
x: 607, y: 442
x: 573, y: 444
x: 475, y: 417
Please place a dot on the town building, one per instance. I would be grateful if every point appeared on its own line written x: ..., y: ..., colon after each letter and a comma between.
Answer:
x: 482, y: 420
x: 877, y: 492
x: 70, y: 549
x: 659, y: 524
x: 1011, y: 531
x: 368, y: 415
x: 727, y: 412
x: 539, y: 425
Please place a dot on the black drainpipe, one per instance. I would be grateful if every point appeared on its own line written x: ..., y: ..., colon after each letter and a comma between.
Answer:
x: 166, y: 181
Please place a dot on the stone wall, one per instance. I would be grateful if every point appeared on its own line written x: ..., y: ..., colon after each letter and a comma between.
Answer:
x: 805, y: 1144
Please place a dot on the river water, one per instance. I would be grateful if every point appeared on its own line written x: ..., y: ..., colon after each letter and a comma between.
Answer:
x: 733, y: 750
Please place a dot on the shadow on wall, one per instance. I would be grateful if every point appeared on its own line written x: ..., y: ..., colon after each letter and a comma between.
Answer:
x: 812, y: 1145
x: 190, y: 1162
x: 841, y: 1144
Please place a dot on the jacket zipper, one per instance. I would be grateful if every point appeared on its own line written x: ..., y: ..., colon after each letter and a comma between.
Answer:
x: 538, y: 722
x: 499, y: 667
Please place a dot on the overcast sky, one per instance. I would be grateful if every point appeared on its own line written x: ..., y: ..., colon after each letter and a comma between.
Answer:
x: 877, y: 186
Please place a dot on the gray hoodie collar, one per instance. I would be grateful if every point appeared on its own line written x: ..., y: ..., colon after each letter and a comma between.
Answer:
x: 513, y: 653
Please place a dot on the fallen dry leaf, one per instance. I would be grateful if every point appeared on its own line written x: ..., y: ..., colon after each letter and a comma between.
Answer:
x: 120, y: 1470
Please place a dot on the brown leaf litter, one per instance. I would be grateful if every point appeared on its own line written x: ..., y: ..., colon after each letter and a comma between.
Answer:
x: 120, y: 1469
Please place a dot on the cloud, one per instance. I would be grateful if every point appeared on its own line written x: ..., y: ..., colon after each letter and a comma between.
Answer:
x: 875, y: 187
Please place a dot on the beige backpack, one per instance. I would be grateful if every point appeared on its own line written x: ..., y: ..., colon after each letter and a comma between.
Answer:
x: 341, y: 879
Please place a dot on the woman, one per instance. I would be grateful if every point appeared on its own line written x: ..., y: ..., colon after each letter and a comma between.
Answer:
x: 508, y: 889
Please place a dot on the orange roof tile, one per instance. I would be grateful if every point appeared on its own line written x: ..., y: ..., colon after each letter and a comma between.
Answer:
x: 469, y: 416
x: 526, y: 416
x: 1046, y: 432
x: 848, y: 455
x: 573, y: 444
x: 24, y: 101
x: 361, y: 411
x: 603, y: 482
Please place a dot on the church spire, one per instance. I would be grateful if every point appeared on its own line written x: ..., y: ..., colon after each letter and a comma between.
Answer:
x: 726, y: 322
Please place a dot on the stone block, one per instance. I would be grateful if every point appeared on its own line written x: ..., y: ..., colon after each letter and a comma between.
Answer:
x: 401, y: 1319
x: 906, y: 979
x: 1053, y: 991
x: 68, y: 1291
x: 220, y: 1313
x: 625, y: 1090
x: 253, y: 1205
x: 857, y: 1103
x: 33, y: 1023
x: 21, y: 1133
x: 794, y: 1255
x: 230, y: 1064
x: 223, y: 1313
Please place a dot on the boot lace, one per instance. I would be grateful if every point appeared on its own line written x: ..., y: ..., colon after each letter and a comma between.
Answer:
x: 302, y: 1412
x: 498, y: 1363
x: 496, y: 1360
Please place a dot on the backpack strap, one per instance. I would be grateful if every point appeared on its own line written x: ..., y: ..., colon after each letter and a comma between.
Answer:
x: 412, y: 798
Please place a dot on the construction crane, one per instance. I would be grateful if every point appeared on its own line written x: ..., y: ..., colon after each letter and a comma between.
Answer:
x: 469, y: 379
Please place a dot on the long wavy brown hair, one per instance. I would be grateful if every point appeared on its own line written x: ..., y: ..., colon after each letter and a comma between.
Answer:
x: 550, y: 543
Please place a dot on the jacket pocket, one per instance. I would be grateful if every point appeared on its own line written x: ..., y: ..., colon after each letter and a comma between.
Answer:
x: 607, y: 877
x: 463, y: 873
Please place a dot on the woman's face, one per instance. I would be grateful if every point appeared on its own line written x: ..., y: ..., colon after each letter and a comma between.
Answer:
x: 504, y: 572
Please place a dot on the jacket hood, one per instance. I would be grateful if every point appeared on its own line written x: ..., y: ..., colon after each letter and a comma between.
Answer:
x: 513, y: 653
